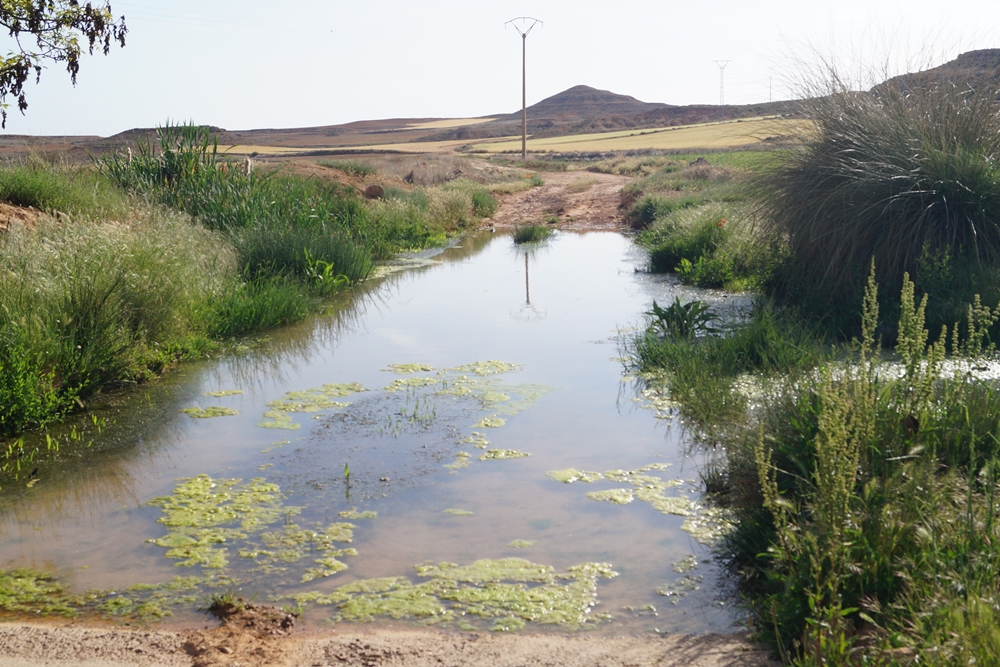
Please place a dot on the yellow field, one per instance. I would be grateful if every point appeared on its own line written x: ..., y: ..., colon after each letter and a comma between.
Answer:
x: 447, y: 122
x: 262, y: 150
x: 726, y: 134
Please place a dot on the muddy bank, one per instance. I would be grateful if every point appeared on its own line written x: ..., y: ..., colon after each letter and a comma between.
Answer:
x: 23, y: 645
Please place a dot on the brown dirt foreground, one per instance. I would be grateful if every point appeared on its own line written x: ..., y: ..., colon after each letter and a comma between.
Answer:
x: 28, y: 645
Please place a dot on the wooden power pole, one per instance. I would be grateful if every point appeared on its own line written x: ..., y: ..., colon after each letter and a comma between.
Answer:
x: 524, y: 75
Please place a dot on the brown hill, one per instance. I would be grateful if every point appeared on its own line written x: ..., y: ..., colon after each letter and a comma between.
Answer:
x: 583, y: 102
x: 969, y: 67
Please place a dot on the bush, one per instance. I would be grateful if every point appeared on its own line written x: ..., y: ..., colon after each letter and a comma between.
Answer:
x: 894, y: 174
x: 483, y: 203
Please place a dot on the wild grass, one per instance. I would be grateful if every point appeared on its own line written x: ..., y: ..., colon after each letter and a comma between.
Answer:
x: 530, y: 234
x: 352, y: 167
x: 246, y: 307
x: 33, y: 183
x: 581, y: 184
x: 895, y: 173
x: 86, y: 304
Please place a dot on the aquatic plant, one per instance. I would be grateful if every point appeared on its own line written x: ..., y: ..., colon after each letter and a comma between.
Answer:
x: 682, y: 321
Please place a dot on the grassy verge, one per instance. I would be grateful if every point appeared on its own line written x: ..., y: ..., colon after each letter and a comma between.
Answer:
x: 696, y: 221
x: 863, y: 492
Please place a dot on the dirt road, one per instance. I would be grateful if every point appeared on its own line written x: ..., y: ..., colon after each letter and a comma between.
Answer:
x: 23, y: 645
x: 570, y: 199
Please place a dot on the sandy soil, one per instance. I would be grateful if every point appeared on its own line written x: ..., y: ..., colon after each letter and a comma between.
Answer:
x: 569, y: 199
x: 32, y: 645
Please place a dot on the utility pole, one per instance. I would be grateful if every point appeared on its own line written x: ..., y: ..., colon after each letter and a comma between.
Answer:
x: 722, y: 85
x: 524, y: 75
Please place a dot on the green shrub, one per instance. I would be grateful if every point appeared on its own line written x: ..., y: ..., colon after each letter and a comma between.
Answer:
x: 483, y: 203
x: 892, y: 174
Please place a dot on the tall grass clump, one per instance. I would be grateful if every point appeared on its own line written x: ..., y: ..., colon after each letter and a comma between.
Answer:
x: 86, y: 304
x: 701, y: 367
x: 714, y: 245
x: 530, y: 234
x: 900, y: 173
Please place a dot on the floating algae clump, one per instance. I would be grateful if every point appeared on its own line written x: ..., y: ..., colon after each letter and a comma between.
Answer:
x: 617, y: 496
x: 462, y: 459
x: 292, y: 543
x: 25, y: 590
x: 571, y: 475
x: 224, y: 392
x: 491, y: 367
x: 456, y: 512
x: 409, y: 383
x: 203, y: 513
x: 308, y: 400
x: 507, y: 593
x: 490, y: 422
x: 705, y: 524
x: 406, y: 369
x: 314, y: 400
x: 210, y: 411
x: 353, y: 514
x: 498, y: 454
x: 40, y: 594
x: 521, y: 544
x: 477, y: 440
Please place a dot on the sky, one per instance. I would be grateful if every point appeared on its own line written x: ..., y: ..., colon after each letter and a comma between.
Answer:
x: 248, y: 64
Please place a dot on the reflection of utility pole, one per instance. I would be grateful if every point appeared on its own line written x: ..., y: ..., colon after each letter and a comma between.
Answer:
x: 722, y: 85
x: 524, y: 76
x: 527, y: 293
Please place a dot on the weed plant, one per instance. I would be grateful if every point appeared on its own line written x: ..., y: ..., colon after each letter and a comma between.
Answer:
x: 714, y: 245
x: 907, y: 175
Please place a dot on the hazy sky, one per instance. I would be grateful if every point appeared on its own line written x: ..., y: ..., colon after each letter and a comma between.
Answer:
x: 243, y: 64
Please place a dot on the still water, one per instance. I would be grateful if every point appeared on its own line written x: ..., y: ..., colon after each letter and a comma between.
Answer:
x: 553, y: 315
